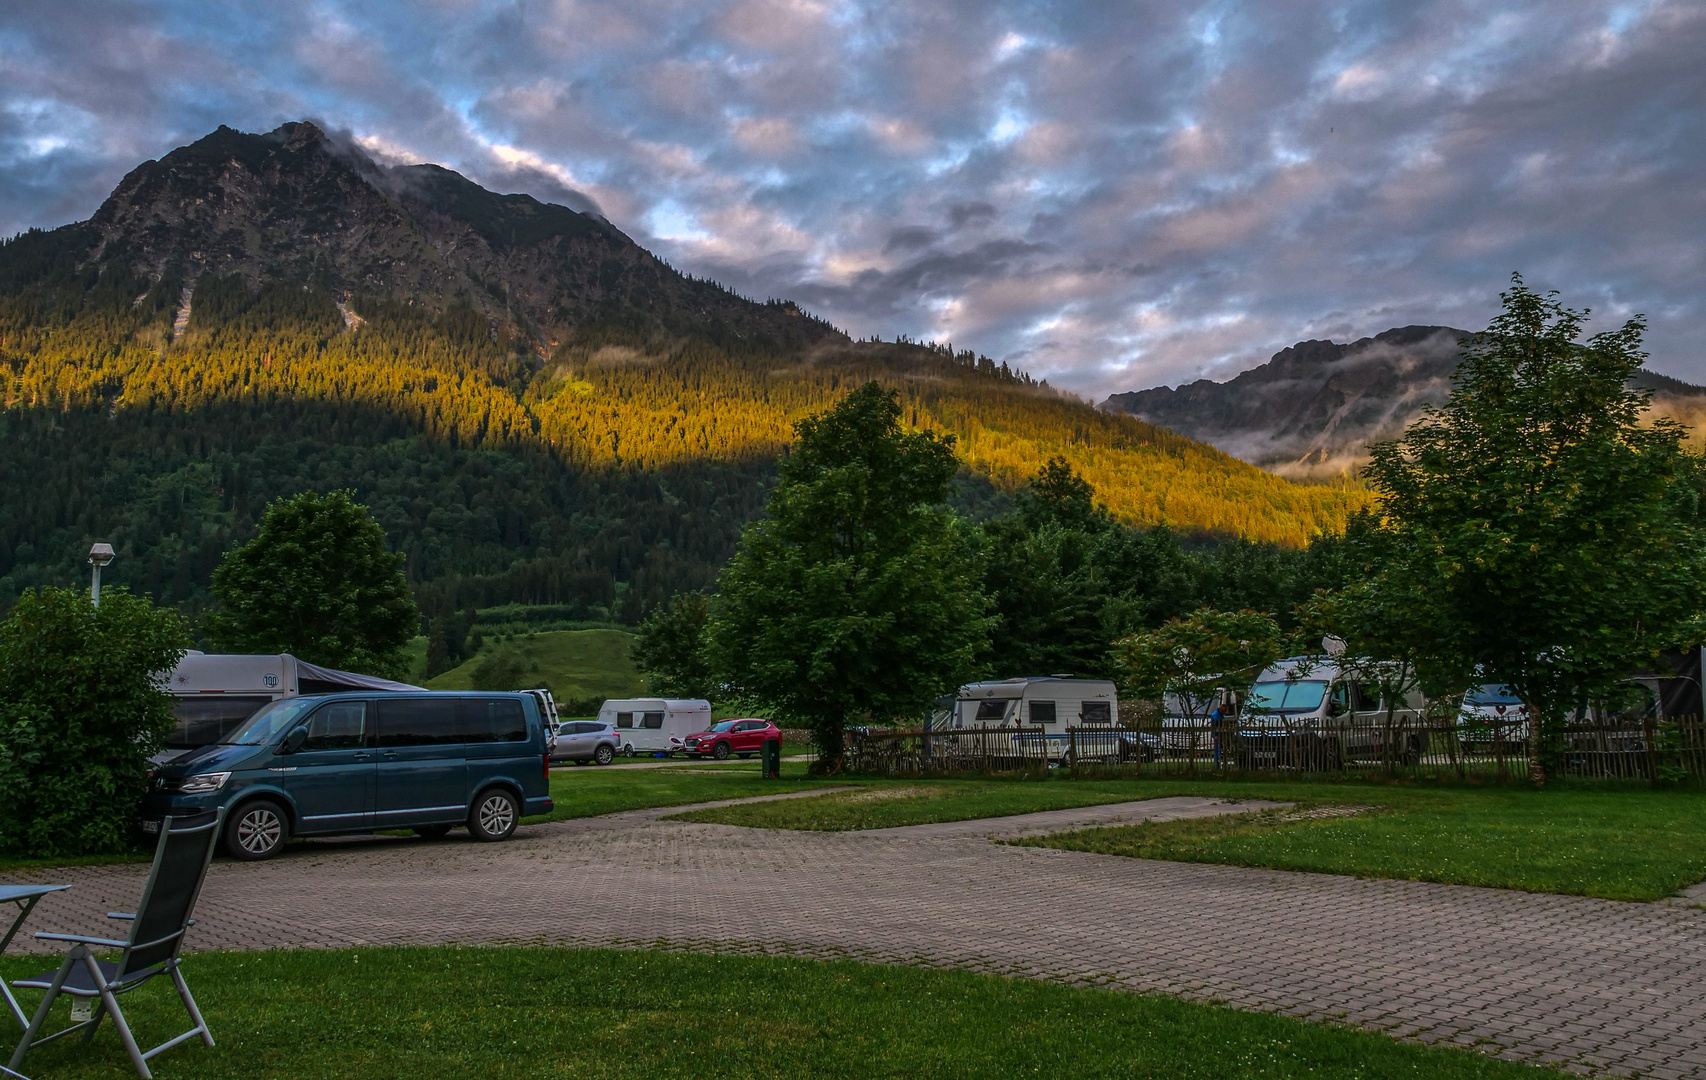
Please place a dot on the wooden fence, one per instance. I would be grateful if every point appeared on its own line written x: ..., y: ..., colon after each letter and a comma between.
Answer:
x: 1645, y: 748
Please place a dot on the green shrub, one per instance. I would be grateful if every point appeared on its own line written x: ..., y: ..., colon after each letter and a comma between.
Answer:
x: 80, y: 713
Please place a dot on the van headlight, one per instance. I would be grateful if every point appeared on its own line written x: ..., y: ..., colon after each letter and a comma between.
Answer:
x: 211, y: 781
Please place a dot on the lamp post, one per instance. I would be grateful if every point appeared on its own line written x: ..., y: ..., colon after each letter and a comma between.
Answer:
x: 99, y: 556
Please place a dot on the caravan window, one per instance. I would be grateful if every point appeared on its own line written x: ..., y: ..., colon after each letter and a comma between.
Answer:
x: 624, y: 719
x: 1096, y: 712
x: 1042, y: 712
x: 994, y: 709
x: 207, y: 719
x: 652, y: 720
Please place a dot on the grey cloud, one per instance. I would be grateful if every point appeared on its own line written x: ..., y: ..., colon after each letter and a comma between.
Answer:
x: 1115, y: 195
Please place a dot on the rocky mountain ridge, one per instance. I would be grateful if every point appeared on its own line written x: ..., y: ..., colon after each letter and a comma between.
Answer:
x: 1313, y: 409
x: 293, y: 204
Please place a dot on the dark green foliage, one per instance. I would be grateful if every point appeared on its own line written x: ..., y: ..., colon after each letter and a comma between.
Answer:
x: 1197, y: 656
x: 670, y: 648
x: 1067, y: 580
x: 172, y: 491
x: 858, y: 599
x: 317, y: 582
x: 80, y: 712
x: 1539, y: 531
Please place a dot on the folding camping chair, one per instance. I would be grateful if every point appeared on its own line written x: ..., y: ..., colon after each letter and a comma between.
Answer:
x: 156, y: 935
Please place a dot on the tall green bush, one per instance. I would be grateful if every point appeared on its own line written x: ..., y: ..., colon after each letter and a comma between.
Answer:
x: 81, y: 710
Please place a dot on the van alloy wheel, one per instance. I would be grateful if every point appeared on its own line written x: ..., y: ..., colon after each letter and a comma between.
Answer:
x: 257, y: 831
x: 495, y: 816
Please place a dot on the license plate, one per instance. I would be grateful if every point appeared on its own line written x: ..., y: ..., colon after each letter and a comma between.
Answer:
x: 150, y: 826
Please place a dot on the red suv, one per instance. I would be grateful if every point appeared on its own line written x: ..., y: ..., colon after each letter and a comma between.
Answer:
x: 742, y: 737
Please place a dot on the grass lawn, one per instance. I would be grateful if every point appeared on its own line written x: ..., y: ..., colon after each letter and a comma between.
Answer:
x: 1620, y: 844
x: 478, y: 1013
x: 588, y: 790
x: 575, y: 664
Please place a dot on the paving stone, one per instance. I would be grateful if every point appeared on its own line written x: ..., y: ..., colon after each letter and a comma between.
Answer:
x: 1592, y: 985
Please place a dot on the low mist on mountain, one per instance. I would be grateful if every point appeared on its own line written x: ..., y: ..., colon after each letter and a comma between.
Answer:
x: 1312, y: 410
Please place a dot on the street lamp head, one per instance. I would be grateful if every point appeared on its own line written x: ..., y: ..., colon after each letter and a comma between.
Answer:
x: 100, y: 554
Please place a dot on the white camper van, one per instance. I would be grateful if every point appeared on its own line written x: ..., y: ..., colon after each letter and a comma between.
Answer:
x: 655, y: 725
x: 1047, y: 705
x: 1309, y: 712
x: 215, y: 692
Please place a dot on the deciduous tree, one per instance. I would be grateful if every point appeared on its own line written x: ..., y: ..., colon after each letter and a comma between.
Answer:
x: 857, y: 599
x: 1553, y: 537
x: 317, y: 582
x: 81, y: 710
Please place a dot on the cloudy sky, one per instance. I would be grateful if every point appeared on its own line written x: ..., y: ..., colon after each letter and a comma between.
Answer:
x: 1110, y: 195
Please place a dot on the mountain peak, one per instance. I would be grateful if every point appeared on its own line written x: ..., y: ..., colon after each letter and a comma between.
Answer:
x: 297, y: 204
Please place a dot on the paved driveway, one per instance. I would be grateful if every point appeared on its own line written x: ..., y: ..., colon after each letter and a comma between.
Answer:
x: 1593, y: 984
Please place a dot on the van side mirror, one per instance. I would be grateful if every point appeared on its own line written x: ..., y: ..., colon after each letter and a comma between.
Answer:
x: 293, y: 742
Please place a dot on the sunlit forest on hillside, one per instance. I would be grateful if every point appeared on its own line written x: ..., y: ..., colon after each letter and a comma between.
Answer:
x: 612, y: 472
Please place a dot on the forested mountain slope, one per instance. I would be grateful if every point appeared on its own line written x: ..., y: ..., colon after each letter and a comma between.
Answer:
x: 537, y: 408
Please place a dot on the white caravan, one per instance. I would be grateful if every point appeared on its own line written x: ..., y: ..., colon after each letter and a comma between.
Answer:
x: 1044, y: 704
x: 655, y: 725
x: 215, y: 692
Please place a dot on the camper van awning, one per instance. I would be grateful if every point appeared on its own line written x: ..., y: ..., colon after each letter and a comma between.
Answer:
x: 347, y: 679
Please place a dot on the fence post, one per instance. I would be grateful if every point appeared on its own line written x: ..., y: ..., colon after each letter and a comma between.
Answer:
x: 1071, y: 748
x: 1647, y: 734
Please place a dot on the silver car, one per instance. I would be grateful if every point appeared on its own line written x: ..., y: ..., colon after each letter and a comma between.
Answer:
x: 582, y: 741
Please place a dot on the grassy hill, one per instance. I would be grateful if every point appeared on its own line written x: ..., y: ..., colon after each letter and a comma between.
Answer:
x: 577, y: 665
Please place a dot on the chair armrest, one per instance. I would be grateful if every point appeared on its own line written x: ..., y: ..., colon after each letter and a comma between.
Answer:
x: 83, y: 940
x: 126, y: 915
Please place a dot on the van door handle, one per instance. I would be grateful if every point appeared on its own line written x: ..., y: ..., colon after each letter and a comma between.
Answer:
x: 360, y: 755
x: 389, y: 753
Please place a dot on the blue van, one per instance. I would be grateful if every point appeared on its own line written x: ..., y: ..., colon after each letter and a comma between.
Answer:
x: 357, y: 762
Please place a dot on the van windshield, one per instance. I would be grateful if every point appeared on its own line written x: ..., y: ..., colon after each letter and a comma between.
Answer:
x: 1302, y: 696
x: 270, y: 724
x: 1493, y: 694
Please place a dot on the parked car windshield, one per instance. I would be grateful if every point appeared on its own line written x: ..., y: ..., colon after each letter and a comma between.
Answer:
x: 270, y: 724
x: 1301, y: 696
x: 724, y: 726
x: 1492, y: 694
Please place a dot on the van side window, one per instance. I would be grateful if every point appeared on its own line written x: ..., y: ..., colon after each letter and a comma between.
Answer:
x: 624, y: 719
x: 1095, y: 712
x: 992, y: 710
x: 1340, y: 700
x: 338, y: 725
x: 1364, y: 698
x: 417, y: 721
x: 1042, y: 712
x: 491, y: 720
x: 653, y: 720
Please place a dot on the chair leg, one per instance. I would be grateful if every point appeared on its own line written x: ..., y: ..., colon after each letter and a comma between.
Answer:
x: 94, y: 1021
x: 111, y: 1004
x: 189, y: 1003
x: 40, y: 1017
